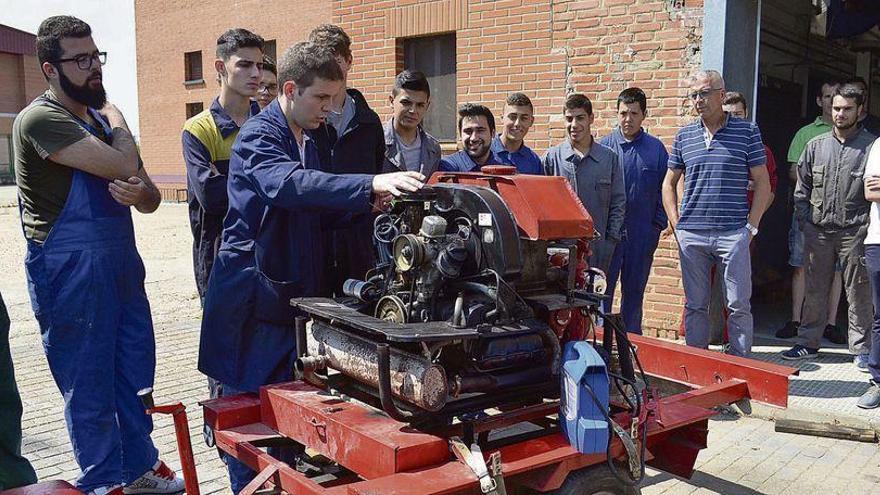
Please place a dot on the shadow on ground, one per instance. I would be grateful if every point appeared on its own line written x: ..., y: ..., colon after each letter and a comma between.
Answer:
x: 703, y: 480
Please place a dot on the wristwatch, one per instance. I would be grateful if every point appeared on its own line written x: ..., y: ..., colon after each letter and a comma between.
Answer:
x: 752, y: 229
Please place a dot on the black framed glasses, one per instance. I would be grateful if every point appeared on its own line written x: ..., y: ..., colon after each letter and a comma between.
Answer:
x: 268, y: 88
x: 84, y: 62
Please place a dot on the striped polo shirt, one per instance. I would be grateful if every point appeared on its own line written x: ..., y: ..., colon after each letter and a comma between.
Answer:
x: 716, y: 173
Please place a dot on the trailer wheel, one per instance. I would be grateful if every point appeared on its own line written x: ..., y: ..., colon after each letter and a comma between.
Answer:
x: 594, y: 480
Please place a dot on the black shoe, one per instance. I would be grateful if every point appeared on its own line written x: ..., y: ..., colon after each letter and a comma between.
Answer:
x: 789, y: 330
x: 834, y: 335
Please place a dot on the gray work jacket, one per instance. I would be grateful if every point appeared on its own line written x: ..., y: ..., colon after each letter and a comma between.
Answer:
x: 430, y: 157
x: 597, y: 178
x: 830, y: 190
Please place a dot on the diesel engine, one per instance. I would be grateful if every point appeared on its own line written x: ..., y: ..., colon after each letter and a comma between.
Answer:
x: 481, y: 278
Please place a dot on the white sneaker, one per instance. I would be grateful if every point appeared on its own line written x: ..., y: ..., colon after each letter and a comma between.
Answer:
x: 159, y: 480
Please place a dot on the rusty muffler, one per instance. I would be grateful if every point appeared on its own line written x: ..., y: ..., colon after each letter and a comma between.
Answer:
x: 413, y: 378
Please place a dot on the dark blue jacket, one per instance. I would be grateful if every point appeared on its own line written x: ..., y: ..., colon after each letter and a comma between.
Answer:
x: 359, y: 149
x: 524, y: 159
x: 644, y: 161
x: 207, y: 143
x: 462, y: 162
x: 271, y: 251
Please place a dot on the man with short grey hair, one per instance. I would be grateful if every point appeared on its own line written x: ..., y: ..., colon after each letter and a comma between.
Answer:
x: 715, y: 224
x: 831, y: 208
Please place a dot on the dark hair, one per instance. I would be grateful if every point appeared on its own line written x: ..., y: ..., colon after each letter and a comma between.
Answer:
x: 830, y: 82
x: 578, y: 100
x: 235, y: 39
x: 305, y: 61
x: 476, y: 110
x: 53, y: 30
x: 411, y: 80
x: 269, y: 65
x: 519, y: 100
x: 733, y: 98
x: 857, y: 80
x: 334, y: 38
x: 851, y: 92
x: 633, y: 95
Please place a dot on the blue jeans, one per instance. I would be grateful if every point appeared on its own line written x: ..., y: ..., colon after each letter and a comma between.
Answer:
x: 872, y: 260
x: 699, y: 250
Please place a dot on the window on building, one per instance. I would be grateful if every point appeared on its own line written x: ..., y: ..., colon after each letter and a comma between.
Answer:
x: 193, y: 109
x: 435, y: 56
x: 192, y: 62
x: 271, y: 50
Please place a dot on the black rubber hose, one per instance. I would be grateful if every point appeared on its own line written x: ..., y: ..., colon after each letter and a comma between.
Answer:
x: 300, y: 327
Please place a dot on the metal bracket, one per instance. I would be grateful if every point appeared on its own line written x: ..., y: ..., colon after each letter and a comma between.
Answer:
x: 473, y: 458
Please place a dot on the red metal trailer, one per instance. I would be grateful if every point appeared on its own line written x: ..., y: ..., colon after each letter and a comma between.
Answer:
x: 379, y: 455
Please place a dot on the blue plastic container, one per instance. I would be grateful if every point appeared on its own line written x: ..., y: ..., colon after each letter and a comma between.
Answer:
x: 580, y: 417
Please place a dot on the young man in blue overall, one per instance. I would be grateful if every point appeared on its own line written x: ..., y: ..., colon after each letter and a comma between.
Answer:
x: 79, y: 173
x: 280, y: 197
x: 644, y: 160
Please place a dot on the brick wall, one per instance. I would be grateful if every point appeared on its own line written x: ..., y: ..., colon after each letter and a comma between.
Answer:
x: 546, y: 49
x: 20, y: 82
x: 165, y: 31
x: 10, y: 83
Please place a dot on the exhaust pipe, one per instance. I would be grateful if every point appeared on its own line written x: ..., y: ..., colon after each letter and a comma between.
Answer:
x: 413, y: 378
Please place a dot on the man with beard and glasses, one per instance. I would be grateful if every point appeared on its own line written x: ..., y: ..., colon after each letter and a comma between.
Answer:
x: 596, y: 174
x: 476, y: 126
x: 833, y: 212
x: 207, y: 143
x: 78, y: 173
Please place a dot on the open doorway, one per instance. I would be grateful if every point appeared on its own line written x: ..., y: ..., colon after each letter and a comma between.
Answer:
x: 795, y: 57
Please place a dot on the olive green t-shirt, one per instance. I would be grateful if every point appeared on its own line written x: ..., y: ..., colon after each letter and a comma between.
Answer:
x: 43, y: 185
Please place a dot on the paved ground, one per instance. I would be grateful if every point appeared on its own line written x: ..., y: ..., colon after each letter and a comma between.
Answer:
x: 745, y: 455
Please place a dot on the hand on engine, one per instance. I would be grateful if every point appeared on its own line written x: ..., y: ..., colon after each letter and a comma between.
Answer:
x: 397, y: 183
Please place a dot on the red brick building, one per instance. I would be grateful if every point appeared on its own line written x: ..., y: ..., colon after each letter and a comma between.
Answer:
x: 20, y: 82
x: 481, y: 50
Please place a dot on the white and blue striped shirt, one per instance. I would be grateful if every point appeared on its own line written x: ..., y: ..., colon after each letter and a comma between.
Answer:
x: 716, y: 173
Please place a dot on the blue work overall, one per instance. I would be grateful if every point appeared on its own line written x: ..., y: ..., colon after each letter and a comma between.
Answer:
x: 644, y: 162
x: 86, y: 283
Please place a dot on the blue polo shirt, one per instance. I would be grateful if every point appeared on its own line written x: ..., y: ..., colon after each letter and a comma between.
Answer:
x: 524, y: 159
x: 716, y: 174
x: 462, y: 162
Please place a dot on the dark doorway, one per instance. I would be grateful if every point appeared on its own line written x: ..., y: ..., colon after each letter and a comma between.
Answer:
x: 779, y: 117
